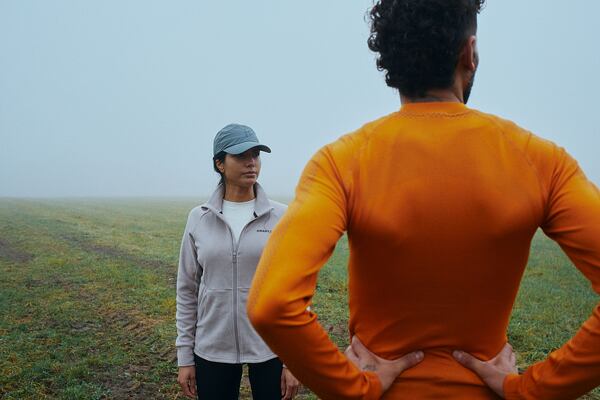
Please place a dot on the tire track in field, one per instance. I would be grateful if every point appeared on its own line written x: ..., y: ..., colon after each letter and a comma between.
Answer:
x: 135, y: 334
x: 85, y: 242
x: 132, y: 329
x: 66, y: 231
x: 135, y: 331
x: 11, y: 254
x: 82, y: 240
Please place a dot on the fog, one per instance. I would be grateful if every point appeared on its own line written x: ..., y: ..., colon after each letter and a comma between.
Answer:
x: 123, y: 98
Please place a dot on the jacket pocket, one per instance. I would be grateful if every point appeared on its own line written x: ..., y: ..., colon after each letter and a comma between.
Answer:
x: 214, y: 332
x: 201, y: 300
x: 252, y: 346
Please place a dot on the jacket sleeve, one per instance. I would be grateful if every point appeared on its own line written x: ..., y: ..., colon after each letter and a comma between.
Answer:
x: 573, y: 221
x: 188, y: 276
x: 285, y: 282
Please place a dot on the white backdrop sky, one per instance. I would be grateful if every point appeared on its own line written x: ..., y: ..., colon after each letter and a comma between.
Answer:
x: 123, y: 98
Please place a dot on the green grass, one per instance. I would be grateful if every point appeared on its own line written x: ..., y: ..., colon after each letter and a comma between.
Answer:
x: 87, y: 299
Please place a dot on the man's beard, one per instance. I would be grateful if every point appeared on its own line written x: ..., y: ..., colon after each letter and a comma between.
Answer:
x: 467, y: 91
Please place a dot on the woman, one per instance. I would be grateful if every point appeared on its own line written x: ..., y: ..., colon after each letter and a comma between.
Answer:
x: 221, y: 246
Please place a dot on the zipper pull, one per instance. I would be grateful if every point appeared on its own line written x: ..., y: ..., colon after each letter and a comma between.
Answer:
x: 234, y: 256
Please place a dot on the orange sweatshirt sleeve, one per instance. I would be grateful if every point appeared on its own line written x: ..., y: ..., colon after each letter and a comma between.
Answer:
x: 285, y: 282
x: 573, y: 221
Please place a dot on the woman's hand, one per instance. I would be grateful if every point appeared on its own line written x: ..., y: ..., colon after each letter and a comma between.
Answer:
x: 187, y: 380
x: 494, y: 371
x: 289, y: 385
x: 387, y: 371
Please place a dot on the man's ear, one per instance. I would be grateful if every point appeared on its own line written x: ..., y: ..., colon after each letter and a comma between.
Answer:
x: 468, y: 57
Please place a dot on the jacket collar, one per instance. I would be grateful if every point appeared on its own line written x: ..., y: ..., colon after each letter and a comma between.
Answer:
x: 262, y: 205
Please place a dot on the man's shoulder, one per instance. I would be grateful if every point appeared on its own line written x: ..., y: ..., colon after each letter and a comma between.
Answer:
x: 344, y: 153
x: 504, y: 124
x: 350, y: 144
x: 522, y: 138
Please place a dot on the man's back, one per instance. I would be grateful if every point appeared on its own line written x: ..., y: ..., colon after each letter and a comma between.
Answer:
x: 445, y: 202
x: 440, y: 203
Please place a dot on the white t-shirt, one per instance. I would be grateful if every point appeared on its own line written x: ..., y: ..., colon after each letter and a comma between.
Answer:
x: 238, y: 215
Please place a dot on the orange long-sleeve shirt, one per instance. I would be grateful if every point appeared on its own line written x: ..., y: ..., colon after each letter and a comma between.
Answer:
x: 440, y: 203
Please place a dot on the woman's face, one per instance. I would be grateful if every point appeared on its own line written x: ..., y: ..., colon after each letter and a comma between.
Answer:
x: 241, y: 169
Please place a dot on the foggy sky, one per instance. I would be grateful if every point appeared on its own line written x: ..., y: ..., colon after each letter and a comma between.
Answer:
x: 123, y: 98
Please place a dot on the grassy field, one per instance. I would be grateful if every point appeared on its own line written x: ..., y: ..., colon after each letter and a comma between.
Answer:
x: 87, y: 299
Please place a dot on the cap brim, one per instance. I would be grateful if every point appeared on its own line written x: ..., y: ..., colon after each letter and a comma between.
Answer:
x: 242, y: 147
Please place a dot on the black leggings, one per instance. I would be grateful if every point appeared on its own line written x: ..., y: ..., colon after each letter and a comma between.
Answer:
x: 219, y: 381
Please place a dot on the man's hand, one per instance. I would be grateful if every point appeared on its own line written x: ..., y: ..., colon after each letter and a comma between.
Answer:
x: 387, y: 371
x: 491, y: 372
x: 187, y: 380
x: 289, y: 385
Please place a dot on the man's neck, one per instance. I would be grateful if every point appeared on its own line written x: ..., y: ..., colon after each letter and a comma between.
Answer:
x: 238, y: 194
x: 435, y: 96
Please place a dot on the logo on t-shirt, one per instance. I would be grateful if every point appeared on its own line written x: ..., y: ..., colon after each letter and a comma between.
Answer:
x: 264, y: 230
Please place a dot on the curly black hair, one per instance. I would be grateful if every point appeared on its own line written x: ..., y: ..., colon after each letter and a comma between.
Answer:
x: 419, y: 41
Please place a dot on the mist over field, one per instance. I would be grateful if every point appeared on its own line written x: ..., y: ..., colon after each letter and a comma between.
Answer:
x: 112, y: 98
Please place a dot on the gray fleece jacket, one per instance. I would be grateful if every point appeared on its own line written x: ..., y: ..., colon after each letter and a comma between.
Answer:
x: 213, y: 281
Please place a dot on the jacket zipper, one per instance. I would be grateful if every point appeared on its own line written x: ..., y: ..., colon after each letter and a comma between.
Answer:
x: 235, y: 305
x: 235, y: 292
x: 234, y: 249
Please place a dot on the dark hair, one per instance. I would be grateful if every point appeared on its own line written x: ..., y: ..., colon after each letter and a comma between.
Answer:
x: 419, y: 41
x: 221, y: 157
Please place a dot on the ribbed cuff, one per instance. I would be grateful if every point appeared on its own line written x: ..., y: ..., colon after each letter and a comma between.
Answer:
x: 185, y: 356
x: 512, y: 386
x: 375, y: 389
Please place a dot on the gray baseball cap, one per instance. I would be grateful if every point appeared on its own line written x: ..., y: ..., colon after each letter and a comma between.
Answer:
x: 236, y: 139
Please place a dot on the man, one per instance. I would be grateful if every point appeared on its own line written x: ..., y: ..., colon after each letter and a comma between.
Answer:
x: 440, y: 203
